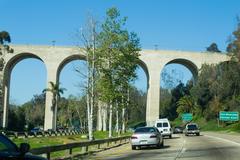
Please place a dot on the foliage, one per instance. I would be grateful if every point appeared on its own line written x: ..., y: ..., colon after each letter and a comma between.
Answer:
x: 213, y: 48
x: 186, y: 104
x: 170, y: 111
x: 118, y: 55
x: 136, y: 111
x: 233, y: 47
x: 4, y: 47
x: 29, y: 115
x: 117, y: 52
x: 72, y: 112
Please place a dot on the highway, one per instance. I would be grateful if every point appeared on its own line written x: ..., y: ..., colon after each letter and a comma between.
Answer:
x: 208, y: 146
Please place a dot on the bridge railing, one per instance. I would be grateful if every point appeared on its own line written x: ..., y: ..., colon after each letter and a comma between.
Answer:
x: 83, y: 147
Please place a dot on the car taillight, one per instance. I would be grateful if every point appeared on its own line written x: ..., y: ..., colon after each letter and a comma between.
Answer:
x: 153, y: 136
x: 134, y: 137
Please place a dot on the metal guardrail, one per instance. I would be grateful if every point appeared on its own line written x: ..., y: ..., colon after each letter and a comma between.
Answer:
x: 43, y: 133
x: 84, y: 145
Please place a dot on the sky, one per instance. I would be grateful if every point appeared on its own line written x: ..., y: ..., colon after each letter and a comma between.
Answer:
x: 187, y: 25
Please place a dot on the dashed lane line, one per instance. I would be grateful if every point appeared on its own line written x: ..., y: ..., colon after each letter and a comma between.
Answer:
x: 182, y: 150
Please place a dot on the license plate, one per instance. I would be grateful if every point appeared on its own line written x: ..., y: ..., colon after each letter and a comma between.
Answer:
x: 143, y: 142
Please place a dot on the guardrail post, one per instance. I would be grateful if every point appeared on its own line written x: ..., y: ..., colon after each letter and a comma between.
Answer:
x: 85, y: 149
x: 15, y: 134
x: 70, y: 151
x: 35, y: 134
x: 25, y: 134
x: 99, y: 146
x: 48, y: 156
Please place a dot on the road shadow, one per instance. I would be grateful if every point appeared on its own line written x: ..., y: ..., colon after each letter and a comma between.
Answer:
x: 152, y: 147
x: 175, y: 137
x: 194, y: 135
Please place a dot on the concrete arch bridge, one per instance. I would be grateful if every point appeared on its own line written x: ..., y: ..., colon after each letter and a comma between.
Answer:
x: 55, y: 57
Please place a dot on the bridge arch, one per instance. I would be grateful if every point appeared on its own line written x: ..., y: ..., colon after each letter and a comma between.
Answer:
x: 67, y: 60
x: 190, y: 65
x: 7, y: 71
x: 143, y: 65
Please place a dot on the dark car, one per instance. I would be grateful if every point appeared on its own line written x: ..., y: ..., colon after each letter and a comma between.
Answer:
x: 192, y: 129
x: 10, y: 151
x: 36, y: 130
x: 178, y: 129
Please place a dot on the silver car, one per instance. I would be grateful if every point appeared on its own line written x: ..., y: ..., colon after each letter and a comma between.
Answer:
x: 146, y: 136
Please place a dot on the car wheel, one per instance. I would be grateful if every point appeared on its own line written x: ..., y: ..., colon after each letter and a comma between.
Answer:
x: 198, y: 134
x: 186, y: 134
x: 133, y: 147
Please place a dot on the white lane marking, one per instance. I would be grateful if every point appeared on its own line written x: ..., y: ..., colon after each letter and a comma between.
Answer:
x: 182, y: 150
x: 222, y: 139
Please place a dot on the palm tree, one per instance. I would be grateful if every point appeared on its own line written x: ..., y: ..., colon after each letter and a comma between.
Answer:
x: 56, y: 92
x: 186, y: 104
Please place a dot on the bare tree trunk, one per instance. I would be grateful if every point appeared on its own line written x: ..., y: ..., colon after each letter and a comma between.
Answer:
x: 79, y: 116
x: 117, y: 119
x: 105, y: 117
x: 110, y: 121
x: 123, y: 120
x: 100, y: 117
x: 90, y: 132
x: 55, y: 113
x: 69, y: 116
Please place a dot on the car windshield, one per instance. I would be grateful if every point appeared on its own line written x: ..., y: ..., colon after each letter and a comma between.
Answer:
x: 192, y: 126
x: 6, y: 145
x: 144, y: 130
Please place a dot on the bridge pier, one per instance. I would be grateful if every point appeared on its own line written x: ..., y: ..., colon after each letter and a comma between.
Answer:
x: 153, y: 94
x: 50, y: 117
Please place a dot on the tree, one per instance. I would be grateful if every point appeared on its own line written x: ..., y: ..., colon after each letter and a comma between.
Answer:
x: 56, y: 93
x: 34, y: 111
x: 233, y: 47
x: 89, y: 40
x: 186, y: 104
x: 117, y: 50
x: 213, y: 48
x: 4, y: 49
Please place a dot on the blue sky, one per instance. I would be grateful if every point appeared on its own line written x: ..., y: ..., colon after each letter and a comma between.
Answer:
x: 171, y: 24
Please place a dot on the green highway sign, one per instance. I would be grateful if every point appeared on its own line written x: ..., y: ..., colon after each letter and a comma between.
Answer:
x: 187, y: 117
x: 228, y: 116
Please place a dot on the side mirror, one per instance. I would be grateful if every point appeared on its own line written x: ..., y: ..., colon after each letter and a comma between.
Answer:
x: 24, y: 148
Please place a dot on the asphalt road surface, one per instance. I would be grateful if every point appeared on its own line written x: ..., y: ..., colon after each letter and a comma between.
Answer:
x: 207, y: 146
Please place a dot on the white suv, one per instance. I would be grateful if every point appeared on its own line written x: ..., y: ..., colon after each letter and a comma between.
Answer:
x: 164, y: 127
